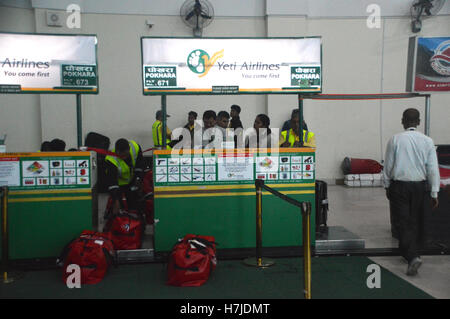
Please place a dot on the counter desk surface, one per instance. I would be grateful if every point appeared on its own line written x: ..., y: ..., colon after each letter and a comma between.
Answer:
x: 213, y: 193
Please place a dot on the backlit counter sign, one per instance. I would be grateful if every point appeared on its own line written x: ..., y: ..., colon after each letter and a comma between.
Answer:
x: 42, y: 63
x: 428, y: 64
x: 231, y: 65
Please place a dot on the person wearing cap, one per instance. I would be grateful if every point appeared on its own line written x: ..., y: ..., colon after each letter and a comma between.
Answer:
x: 157, y: 131
x: 124, y: 173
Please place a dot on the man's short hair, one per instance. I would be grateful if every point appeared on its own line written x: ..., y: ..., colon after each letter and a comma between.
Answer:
x: 209, y: 114
x: 411, y: 115
x: 194, y: 114
x: 58, y: 145
x: 236, y: 107
x: 122, y: 145
x: 223, y: 114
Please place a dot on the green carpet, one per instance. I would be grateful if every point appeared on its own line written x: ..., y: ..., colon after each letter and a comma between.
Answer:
x: 332, y: 277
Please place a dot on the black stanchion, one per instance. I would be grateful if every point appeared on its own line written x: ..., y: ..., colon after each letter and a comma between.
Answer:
x: 259, y: 261
x: 306, y: 223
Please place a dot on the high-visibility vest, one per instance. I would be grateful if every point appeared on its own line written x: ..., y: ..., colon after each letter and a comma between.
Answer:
x: 308, y: 138
x: 125, y: 172
x: 157, y: 135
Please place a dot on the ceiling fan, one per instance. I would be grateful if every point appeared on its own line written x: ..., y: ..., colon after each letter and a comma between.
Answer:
x: 197, y: 14
x: 421, y: 8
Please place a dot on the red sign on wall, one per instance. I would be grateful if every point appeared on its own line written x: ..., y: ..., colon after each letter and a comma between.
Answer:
x: 428, y: 64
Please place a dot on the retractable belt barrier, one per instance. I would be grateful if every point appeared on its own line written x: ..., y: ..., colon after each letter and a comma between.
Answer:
x: 306, y: 215
x: 106, y: 152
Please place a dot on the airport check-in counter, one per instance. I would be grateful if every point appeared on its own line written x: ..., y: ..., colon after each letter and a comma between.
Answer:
x: 51, y: 200
x: 206, y: 193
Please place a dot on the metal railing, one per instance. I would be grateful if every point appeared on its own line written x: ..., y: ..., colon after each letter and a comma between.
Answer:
x: 305, y: 207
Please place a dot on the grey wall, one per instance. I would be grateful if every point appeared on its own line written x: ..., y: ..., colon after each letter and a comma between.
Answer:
x: 356, y: 59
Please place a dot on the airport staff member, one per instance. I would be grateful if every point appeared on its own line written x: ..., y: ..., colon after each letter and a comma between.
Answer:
x: 157, y: 132
x: 124, y: 173
x: 291, y: 137
x: 410, y: 162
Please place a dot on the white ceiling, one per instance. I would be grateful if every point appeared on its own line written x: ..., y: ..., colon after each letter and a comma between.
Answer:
x: 233, y: 8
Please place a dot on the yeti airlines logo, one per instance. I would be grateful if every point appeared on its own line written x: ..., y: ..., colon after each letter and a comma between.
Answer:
x: 199, y: 61
x: 440, y: 61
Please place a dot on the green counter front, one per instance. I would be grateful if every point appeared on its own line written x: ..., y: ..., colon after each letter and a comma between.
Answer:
x: 206, y: 193
x: 50, y: 200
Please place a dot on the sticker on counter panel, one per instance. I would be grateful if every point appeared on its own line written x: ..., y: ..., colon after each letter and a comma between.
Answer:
x: 83, y: 180
x: 35, y: 168
x: 267, y: 164
x: 197, y: 178
x: 296, y: 159
x: 308, y: 159
x: 83, y: 172
x: 161, y: 162
x: 83, y: 164
x: 186, y: 177
x: 161, y: 178
x: 235, y: 168
x: 173, y: 169
x: 69, y: 164
x: 9, y: 172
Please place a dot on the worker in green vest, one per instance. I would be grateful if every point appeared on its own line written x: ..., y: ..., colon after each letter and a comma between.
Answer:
x: 157, y: 132
x: 124, y: 174
x: 291, y: 137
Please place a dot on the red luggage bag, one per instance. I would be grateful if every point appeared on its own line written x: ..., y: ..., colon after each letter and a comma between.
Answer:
x: 191, y: 261
x: 93, y: 252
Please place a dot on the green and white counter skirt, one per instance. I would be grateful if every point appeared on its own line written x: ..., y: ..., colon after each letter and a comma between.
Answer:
x: 206, y: 193
x: 50, y: 200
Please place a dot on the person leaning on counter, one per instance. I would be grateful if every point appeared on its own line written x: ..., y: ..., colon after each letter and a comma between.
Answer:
x: 124, y: 173
x: 291, y: 137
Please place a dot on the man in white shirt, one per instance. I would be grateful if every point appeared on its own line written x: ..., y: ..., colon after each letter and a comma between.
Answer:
x: 410, y: 163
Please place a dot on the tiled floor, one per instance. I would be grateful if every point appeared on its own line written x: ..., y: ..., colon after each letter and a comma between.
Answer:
x: 365, y: 212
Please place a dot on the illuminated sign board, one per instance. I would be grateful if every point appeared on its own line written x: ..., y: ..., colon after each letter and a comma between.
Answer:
x: 41, y: 63
x: 231, y: 65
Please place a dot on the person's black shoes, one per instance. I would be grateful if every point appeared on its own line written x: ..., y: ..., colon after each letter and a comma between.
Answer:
x: 413, y: 266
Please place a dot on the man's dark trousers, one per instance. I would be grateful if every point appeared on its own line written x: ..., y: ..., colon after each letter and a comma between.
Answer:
x: 407, y: 204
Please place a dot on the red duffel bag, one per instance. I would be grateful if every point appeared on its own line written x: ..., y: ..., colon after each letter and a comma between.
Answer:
x: 93, y: 252
x: 361, y: 166
x: 191, y: 261
x: 126, y: 230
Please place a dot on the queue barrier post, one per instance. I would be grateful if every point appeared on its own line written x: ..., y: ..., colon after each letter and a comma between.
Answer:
x: 306, y: 221
x: 259, y: 261
x: 7, y: 276
x: 306, y: 224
